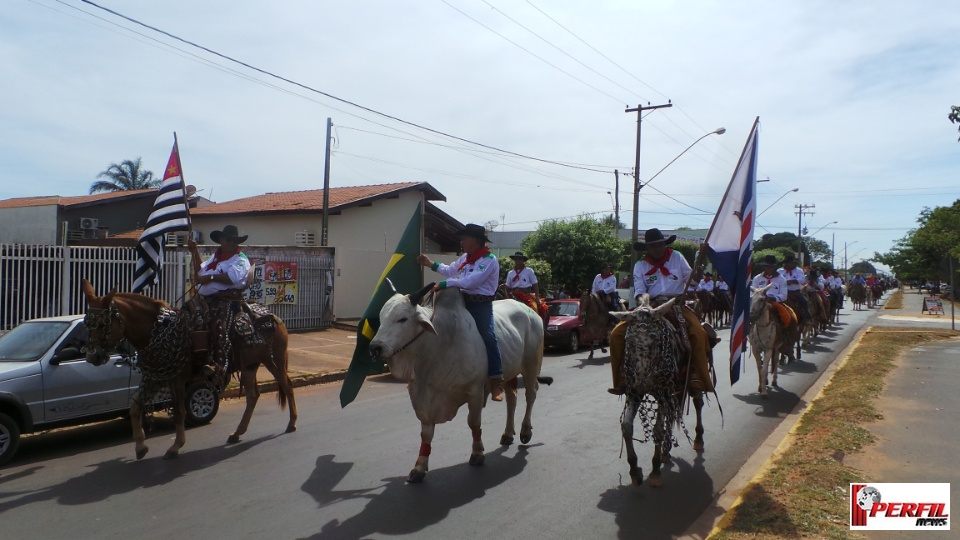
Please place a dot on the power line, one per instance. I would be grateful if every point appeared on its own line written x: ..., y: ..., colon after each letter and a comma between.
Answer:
x: 331, y: 96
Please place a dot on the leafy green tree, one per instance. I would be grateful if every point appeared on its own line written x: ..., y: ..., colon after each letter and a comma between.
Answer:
x: 863, y: 268
x: 127, y: 176
x: 954, y: 115
x: 575, y: 250
x: 786, y: 242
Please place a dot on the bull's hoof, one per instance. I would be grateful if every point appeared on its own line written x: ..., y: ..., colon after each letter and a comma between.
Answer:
x: 141, y: 453
x: 525, y: 437
x: 603, y: 349
x: 654, y: 480
x: 636, y: 476
x: 416, y: 476
x: 476, y: 460
x: 233, y: 439
x: 170, y: 454
x: 290, y: 429
x: 506, y: 440
x: 698, y: 446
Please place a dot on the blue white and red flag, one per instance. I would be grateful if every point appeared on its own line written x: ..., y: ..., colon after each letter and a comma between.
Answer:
x: 729, y: 245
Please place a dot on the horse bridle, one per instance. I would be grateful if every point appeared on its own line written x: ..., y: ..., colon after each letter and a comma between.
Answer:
x: 101, y: 318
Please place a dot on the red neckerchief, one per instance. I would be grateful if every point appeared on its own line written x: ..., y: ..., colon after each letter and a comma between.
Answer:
x: 516, y: 275
x: 219, y: 257
x: 605, y: 276
x: 770, y: 278
x: 473, y: 257
x: 659, y: 265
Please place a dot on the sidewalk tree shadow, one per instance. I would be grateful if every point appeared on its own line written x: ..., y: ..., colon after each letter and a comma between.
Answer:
x: 119, y: 476
x: 647, y: 512
x: 397, y: 507
x: 765, y: 516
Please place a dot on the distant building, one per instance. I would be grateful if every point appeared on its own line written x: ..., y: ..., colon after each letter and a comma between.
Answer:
x: 504, y: 243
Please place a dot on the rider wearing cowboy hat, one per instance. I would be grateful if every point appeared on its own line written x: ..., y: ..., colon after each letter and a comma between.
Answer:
x: 770, y: 276
x: 220, y: 281
x: 521, y: 278
x: 476, y: 274
x: 227, y: 269
x: 795, y: 278
x: 605, y: 286
x: 662, y: 274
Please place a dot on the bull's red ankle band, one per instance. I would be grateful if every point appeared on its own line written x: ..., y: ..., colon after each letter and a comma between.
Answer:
x: 424, y: 449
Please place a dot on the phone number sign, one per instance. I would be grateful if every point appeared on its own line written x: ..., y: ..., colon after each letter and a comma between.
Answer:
x: 274, y: 283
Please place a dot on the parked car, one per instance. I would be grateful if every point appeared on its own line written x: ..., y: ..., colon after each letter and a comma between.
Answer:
x: 46, y: 382
x: 564, y: 327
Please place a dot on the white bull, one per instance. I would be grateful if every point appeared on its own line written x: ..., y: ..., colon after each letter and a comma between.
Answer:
x: 440, y: 353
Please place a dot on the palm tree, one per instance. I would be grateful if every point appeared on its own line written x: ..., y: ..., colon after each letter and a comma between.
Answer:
x: 127, y: 176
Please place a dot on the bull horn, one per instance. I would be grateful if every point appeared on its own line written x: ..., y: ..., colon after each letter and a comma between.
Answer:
x: 392, y: 288
x: 664, y: 306
x: 416, y: 297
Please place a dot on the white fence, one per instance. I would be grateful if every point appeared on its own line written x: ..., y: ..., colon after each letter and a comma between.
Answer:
x: 44, y: 281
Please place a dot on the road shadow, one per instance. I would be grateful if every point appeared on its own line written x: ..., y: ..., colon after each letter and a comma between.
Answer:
x: 664, y: 512
x: 588, y: 362
x: 396, y: 507
x: 120, y: 476
x: 778, y: 405
x: 800, y: 365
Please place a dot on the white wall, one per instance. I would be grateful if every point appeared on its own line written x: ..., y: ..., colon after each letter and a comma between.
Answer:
x: 29, y: 225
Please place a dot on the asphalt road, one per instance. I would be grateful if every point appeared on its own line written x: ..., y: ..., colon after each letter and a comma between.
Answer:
x: 342, y: 474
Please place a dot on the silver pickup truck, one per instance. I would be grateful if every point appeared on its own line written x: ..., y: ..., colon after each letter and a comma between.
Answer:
x: 46, y: 383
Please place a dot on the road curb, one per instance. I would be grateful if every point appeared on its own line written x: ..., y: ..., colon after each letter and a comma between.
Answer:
x: 717, y: 517
x: 298, y: 381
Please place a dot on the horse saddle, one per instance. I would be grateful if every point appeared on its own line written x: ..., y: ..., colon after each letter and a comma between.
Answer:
x: 252, y: 320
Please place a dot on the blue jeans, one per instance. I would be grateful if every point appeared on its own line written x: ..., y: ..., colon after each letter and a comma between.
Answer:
x: 482, y: 313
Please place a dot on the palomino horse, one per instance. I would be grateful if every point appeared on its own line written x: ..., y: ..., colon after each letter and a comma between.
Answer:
x: 596, y: 319
x: 768, y: 338
x: 858, y: 295
x: 162, y: 339
x: 651, y: 371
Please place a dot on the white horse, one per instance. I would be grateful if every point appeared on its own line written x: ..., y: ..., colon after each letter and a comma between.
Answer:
x: 440, y: 353
x: 766, y: 337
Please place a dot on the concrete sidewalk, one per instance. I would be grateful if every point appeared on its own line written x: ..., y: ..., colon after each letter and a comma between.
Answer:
x: 313, y: 357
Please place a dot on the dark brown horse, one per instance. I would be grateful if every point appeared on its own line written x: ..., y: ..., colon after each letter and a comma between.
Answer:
x: 166, y: 358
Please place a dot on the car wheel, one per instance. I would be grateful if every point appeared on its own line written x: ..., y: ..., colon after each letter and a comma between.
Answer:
x: 202, y: 403
x: 574, y: 344
x: 9, y: 438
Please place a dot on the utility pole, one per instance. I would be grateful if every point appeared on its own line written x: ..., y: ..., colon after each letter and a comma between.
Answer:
x: 326, y: 189
x: 616, y: 205
x: 800, y: 213
x: 636, y: 175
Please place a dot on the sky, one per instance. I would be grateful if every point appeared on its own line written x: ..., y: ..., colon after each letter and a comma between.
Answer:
x: 515, y: 111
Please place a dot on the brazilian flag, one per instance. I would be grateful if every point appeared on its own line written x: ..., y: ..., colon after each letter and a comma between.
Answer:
x: 405, y: 274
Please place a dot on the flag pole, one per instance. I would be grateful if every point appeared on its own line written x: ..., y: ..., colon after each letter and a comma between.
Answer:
x: 186, y: 201
x: 701, y: 253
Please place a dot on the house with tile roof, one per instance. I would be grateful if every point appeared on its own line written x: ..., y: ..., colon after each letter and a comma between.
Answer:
x: 77, y: 220
x: 365, y: 225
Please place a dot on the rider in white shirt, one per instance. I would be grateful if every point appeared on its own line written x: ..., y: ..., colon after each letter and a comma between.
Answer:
x: 770, y: 276
x: 521, y: 278
x: 707, y: 283
x: 605, y: 286
x: 795, y: 279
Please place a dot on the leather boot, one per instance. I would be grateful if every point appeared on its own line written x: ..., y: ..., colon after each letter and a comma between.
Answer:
x: 496, y: 389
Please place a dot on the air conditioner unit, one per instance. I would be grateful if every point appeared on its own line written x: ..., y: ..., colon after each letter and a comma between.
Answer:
x: 305, y: 238
x: 87, y: 223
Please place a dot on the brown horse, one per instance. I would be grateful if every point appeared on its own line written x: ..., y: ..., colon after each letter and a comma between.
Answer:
x: 596, y: 320
x: 165, y: 357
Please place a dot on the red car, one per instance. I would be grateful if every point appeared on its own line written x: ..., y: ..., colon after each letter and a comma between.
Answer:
x: 564, y: 327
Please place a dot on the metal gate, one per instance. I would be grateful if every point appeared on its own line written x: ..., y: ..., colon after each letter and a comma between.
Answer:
x: 44, y: 281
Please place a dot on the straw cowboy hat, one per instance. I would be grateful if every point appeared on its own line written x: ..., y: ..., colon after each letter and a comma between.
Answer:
x: 519, y: 256
x: 229, y: 232
x: 652, y: 236
x: 474, y: 231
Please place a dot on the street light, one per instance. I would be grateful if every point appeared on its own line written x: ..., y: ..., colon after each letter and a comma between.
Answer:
x: 822, y: 228
x: 637, y: 185
x: 845, y: 246
x: 794, y: 190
